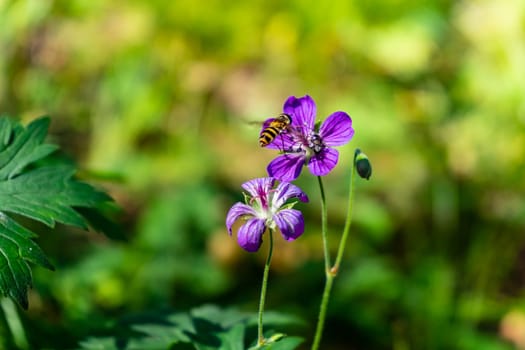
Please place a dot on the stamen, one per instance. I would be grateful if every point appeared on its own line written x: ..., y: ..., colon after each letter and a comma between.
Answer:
x: 315, y: 143
x: 261, y: 197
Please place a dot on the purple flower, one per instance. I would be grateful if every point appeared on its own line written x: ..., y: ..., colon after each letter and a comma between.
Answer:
x: 265, y: 209
x: 305, y: 144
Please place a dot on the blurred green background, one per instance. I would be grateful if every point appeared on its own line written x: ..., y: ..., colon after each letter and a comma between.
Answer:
x: 155, y: 101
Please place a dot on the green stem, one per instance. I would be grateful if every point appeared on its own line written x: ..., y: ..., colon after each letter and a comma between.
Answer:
x: 261, y: 340
x: 14, y: 323
x: 331, y: 272
x: 348, y: 223
x: 322, y: 310
x: 329, y: 278
x: 324, y: 216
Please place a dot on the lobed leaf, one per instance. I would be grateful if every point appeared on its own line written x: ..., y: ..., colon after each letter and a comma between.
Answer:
x: 25, y: 147
x: 202, y: 328
x: 16, y: 250
x: 48, y: 194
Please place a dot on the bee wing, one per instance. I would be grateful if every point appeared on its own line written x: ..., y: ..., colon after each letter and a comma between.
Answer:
x: 267, y: 123
x: 259, y: 123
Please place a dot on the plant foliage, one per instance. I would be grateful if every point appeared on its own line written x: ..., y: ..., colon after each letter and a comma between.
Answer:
x: 47, y: 193
x: 204, y: 328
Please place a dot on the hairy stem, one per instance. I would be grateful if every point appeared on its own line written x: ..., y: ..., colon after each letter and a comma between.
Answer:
x: 329, y: 278
x: 331, y: 272
x: 348, y: 223
x: 261, y: 340
x: 324, y: 220
x: 322, y: 310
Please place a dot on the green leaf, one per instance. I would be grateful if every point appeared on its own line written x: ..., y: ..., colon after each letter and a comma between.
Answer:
x: 97, y: 219
x: 204, y: 328
x: 16, y: 250
x: 23, y: 147
x: 48, y: 194
x: 229, y: 339
x: 177, y: 329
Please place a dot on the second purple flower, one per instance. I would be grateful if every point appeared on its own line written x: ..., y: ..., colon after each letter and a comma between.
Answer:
x: 265, y: 208
x: 303, y: 144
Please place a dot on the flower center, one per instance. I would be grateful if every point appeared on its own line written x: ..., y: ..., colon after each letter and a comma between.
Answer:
x: 262, y: 204
x: 315, y: 143
x: 262, y: 198
x: 309, y: 143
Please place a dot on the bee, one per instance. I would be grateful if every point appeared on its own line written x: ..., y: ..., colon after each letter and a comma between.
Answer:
x: 273, y: 128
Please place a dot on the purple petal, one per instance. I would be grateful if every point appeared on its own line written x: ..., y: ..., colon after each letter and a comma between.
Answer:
x: 337, y: 129
x: 236, y: 211
x: 259, y: 187
x: 303, y: 111
x: 250, y: 234
x: 285, y: 191
x: 290, y: 223
x: 323, y: 162
x: 286, y: 167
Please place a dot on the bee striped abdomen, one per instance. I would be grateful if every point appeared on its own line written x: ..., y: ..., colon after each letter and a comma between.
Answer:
x: 268, y: 135
x: 274, y: 128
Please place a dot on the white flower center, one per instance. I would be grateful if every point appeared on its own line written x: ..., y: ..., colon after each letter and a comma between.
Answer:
x: 309, y: 144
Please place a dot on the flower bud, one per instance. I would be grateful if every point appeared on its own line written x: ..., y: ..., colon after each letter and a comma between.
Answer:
x: 362, y: 164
